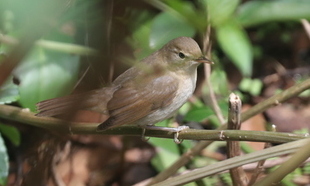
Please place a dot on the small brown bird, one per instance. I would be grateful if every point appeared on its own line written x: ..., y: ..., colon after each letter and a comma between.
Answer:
x: 149, y: 92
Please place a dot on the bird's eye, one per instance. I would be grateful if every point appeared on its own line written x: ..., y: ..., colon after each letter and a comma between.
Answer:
x: 181, y: 55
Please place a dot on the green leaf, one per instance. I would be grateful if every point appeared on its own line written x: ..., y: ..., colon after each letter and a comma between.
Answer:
x: 140, y: 40
x: 253, y: 13
x: 167, y: 27
x: 218, y: 78
x: 11, y: 133
x: 253, y: 86
x: 193, y: 15
x: 186, y: 11
x: 45, y: 74
x: 198, y: 114
x: 4, y: 162
x: 167, y: 152
x: 236, y: 44
x: 221, y: 10
x: 9, y: 92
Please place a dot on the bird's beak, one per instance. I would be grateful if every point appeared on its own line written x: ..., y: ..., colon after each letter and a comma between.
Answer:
x: 203, y: 59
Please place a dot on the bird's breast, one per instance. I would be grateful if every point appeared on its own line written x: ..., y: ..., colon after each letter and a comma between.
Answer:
x: 185, y: 90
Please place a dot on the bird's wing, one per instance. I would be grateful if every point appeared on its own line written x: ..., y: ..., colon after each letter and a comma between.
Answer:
x: 134, y: 100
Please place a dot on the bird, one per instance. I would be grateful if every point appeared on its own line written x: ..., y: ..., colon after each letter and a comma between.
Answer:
x: 145, y: 94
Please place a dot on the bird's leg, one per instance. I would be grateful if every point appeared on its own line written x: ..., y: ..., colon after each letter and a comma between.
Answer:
x: 143, y: 138
x: 176, y: 131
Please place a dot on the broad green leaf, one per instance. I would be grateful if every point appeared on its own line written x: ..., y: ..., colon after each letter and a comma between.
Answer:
x: 45, y: 74
x: 236, y: 44
x: 11, y: 133
x: 4, y: 162
x: 221, y: 10
x: 167, y: 27
x: 189, y: 13
x: 9, y: 92
x: 198, y: 114
x: 256, y: 12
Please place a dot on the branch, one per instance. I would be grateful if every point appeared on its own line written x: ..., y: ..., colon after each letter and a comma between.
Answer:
x: 25, y: 116
x: 237, y: 174
x: 306, y: 26
x: 287, y: 167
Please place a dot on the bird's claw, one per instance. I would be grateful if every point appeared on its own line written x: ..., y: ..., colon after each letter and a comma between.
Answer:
x: 176, y: 140
x: 143, y: 138
x: 176, y: 132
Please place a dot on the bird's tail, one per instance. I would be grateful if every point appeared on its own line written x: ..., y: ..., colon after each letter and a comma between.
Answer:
x: 95, y: 100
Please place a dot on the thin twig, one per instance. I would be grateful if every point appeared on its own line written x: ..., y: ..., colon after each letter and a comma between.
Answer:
x: 59, y: 156
x: 276, y: 99
x: 290, y: 165
x: 259, y: 168
x: 271, y: 163
x: 260, y: 164
x: 207, y: 69
x: 306, y: 26
x: 109, y: 19
x: 235, y: 162
x: 251, y: 166
x: 233, y: 147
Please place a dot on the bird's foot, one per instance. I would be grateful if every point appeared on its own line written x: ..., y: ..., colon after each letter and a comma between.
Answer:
x: 143, y: 138
x: 176, y: 131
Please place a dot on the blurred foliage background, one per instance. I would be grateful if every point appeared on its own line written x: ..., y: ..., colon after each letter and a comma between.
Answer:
x: 259, y: 48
